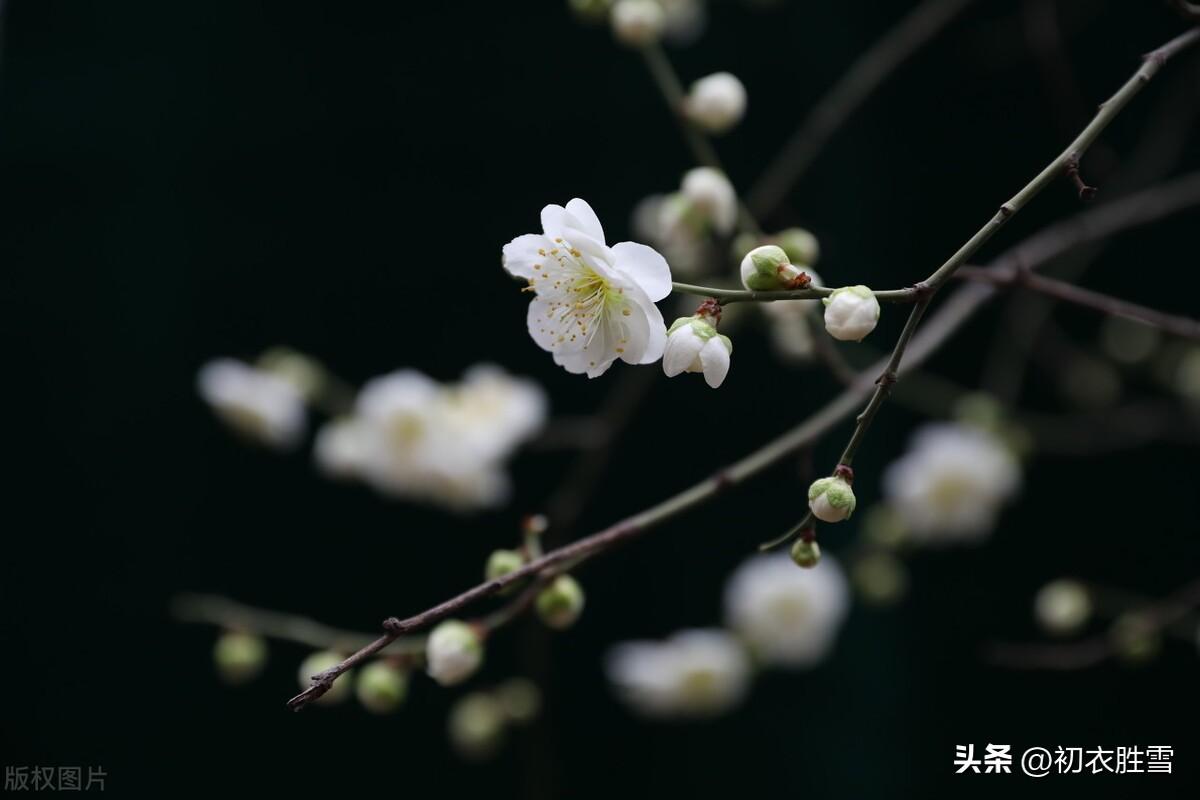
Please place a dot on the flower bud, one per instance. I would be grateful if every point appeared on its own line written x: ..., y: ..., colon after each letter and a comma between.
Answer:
x: 716, y: 102
x: 502, y: 562
x: 453, y: 653
x: 806, y: 552
x: 1134, y: 638
x: 319, y: 662
x: 800, y: 245
x: 240, y: 657
x: 476, y: 726
x: 831, y: 499
x: 1062, y: 607
x: 693, y: 345
x: 767, y: 268
x: 711, y: 196
x: 851, y: 313
x: 520, y: 699
x: 590, y: 11
x: 560, y: 603
x: 381, y: 687
x: 637, y: 23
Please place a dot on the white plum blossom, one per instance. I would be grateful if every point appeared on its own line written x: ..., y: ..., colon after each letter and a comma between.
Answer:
x: 1062, y: 607
x: 851, y: 312
x: 593, y: 303
x: 951, y: 483
x: 710, y: 194
x: 638, y: 22
x: 694, y: 673
x: 258, y: 404
x: 663, y: 221
x: 693, y: 345
x: 787, y: 616
x: 453, y: 653
x: 412, y: 437
x: 716, y: 102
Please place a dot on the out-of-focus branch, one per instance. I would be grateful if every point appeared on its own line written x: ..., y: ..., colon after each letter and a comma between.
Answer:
x: 1096, y: 649
x: 856, y: 84
x: 1070, y: 293
x: 918, y: 345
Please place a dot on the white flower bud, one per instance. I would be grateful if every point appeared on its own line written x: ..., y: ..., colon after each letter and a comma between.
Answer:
x: 851, y: 313
x: 800, y: 245
x: 711, y: 195
x: 239, y: 657
x: 693, y: 345
x: 716, y: 102
x: 381, y: 687
x: 560, y: 603
x: 831, y: 499
x: 319, y: 662
x: 1062, y: 607
x: 453, y: 653
x: 767, y: 269
x: 637, y: 22
x: 476, y: 726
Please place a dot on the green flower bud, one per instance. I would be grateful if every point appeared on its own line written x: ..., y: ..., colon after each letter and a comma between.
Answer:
x: 520, y: 698
x: 800, y: 245
x: 560, y: 603
x: 879, y: 577
x: 476, y: 726
x: 502, y: 562
x: 381, y: 687
x: 319, y: 662
x: 1134, y: 638
x: 831, y: 499
x: 806, y: 553
x: 1062, y: 607
x: 767, y: 268
x: 239, y: 657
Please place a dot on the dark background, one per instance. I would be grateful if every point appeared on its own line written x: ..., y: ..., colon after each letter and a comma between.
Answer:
x: 187, y: 180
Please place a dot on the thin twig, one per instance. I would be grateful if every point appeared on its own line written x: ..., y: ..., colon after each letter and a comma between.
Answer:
x: 1106, y: 304
x: 727, y: 296
x: 856, y: 84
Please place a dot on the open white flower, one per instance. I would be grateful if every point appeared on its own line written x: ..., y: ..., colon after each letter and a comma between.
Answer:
x: 789, y: 617
x: 851, y: 312
x: 712, y: 197
x: 694, y: 673
x: 693, y: 345
x: 594, y: 303
x: 413, y: 437
x: 951, y: 483
x: 256, y: 403
x: 716, y: 102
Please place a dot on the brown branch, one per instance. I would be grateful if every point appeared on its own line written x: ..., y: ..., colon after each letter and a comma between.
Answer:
x: 856, y: 84
x: 1185, y: 327
x: 919, y: 346
x: 1093, y: 650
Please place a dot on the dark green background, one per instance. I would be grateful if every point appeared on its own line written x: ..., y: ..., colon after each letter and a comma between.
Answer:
x: 186, y: 180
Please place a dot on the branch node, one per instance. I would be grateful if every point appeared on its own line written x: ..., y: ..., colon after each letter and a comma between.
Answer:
x: 1071, y: 167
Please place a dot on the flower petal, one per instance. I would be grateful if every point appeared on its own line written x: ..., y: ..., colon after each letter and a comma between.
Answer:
x: 519, y: 255
x: 683, y: 347
x: 715, y: 360
x: 645, y: 266
x: 647, y: 347
x: 589, y: 223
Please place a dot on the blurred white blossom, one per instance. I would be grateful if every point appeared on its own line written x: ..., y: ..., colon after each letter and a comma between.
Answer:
x: 791, y: 335
x: 951, y: 483
x: 712, y: 197
x: 789, y: 617
x: 716, y: 102
x: 593, y: 303
x: 664, y: 221
x: 683, y: 20
x: 256, y: 403
x: 638, y: 22
x: 693, y: 673
x: 411, y: 437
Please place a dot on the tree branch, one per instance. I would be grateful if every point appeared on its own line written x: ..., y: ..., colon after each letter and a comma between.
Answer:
x: 918, y: 344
